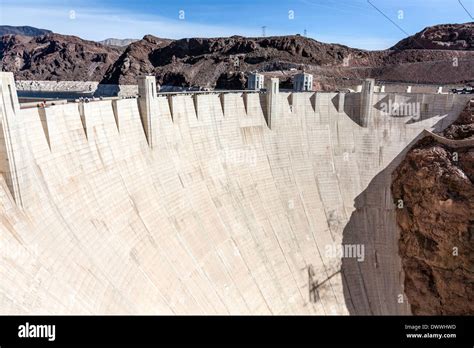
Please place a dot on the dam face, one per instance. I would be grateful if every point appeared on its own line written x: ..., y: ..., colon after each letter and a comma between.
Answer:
x: 193, y: 204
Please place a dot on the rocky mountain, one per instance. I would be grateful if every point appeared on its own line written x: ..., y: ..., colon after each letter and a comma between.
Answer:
x: 441, y: 37
x: 204, y: 62
x: 226, y: 62
x: 134, y: 60
x: 24, y: 30
x: 55, y: 57
x: 117, y: 42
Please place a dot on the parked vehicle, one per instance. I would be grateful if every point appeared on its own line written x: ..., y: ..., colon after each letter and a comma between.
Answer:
x: 464, y: 90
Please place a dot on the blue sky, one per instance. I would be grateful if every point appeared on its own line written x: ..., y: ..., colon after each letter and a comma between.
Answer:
x: 351, y: 22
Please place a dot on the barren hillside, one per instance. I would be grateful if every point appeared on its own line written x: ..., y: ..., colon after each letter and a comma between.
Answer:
x: 440, y: 54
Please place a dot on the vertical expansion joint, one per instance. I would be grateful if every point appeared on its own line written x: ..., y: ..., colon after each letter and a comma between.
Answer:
x: 147, y: 94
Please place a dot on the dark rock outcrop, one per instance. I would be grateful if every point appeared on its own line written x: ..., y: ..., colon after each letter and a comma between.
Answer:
x: 462, y: 128
x: 435, y: 183
x: 209, y: 62
x: 441, y: 37
x: 55, y: 57
x: 134, y: 61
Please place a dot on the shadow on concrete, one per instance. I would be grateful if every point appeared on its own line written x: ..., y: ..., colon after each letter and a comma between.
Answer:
x: 351, y: 106
x: 374, y: 285
x: 106, y: 90
x: 412, y: 108
x: 312, y: 100
x: 319, y: 281
x: 402, y: 107
x: 335, y: 101
x: 262, y: 98
x: 289, y: 99
x: 445, y: 122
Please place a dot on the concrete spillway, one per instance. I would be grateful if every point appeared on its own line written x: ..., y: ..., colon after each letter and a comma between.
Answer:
x: 193, y: 204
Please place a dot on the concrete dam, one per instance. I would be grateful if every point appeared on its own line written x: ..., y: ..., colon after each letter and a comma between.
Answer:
x: 206, y: 203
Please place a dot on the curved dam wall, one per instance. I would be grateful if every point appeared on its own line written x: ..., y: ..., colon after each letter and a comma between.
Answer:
x: 193, y: 204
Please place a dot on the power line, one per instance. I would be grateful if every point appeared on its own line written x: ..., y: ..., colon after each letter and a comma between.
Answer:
x: 383, y: 14
x: 395, y: 24
x: 465, y: 9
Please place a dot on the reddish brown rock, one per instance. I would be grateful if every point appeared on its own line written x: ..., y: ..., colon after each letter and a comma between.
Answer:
x: 463, y: 127
x: 209, y: 62
x: 441, y: 37
x: 437, y: 224
x: 55, y: 57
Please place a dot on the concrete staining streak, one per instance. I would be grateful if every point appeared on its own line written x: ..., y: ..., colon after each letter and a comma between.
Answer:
x: 222, y: 214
